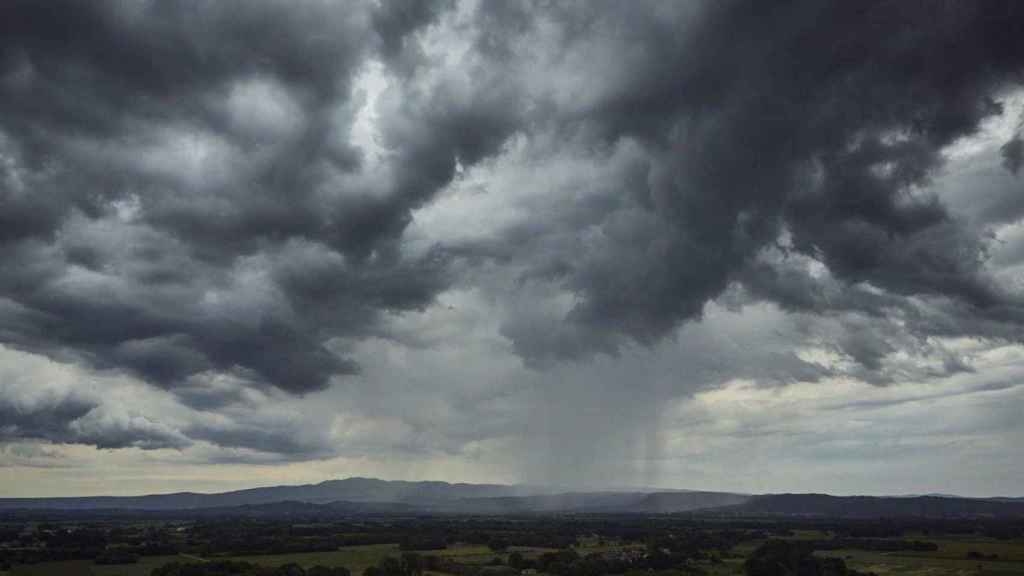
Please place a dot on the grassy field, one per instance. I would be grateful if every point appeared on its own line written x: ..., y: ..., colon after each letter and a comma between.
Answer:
x: 355, y: 558
x: 919, y: 564
x: 603, y: 545
x: 949, y: 560
x: 957, y: 548
x: 358, y: 558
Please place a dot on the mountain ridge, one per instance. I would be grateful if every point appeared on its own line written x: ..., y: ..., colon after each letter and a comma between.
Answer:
x: 361, y: 495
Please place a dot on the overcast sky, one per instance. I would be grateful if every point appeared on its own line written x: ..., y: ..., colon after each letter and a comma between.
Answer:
x: 745, y: 246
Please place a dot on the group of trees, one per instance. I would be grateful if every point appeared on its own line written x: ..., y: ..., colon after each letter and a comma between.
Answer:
x: 794, y: 558
x: 975, y: 555
x: 664, y: 550
x: 407, y: 564
x: 873, y: 544
x: 569, y: 563
x: 100, y: 542
x: 268, y: 537
x: 229, y: 568
x: 659, y: 543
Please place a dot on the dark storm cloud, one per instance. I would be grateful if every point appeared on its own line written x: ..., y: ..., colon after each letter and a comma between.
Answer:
x: 182, y: 196
x: 867, y: 325
x: 822, y: 120
x: 395, y: 22
x: 1013, y: 154
x: 128, y: 252
x: 286, y: 440
x: 42, y: 421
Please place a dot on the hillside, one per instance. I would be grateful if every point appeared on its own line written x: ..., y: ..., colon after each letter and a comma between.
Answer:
x: 825, y: 505
x: 349, y: 489
x: 357, y: 496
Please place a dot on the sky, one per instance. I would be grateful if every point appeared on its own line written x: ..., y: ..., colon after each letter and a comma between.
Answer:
x: 722, y: 245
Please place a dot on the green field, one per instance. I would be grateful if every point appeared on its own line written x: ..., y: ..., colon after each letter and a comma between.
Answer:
x: 923, y: 564
x: 949, y: 560
x: 957, y: 548
x: 355, y: 558
x: 358, y: 558
x: 482, y: 554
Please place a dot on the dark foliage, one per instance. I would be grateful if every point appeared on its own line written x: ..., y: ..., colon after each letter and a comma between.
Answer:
x: 786, y: 558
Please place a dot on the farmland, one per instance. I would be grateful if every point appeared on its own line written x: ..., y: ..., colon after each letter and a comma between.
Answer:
x: 631, y: 546
x: 953, y: 558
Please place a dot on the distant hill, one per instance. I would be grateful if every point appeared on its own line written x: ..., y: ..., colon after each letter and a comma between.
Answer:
x: 364, y: 496
x: 824, y: 505
x: 369, y: 495
x: 594, y: 502
x: 349, y: 489
x: 668, y: 502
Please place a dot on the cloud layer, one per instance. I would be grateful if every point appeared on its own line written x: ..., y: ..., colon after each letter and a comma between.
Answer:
x: 322, y: 230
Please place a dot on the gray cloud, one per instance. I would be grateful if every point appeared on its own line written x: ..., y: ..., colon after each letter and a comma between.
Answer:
x: 185, y: 197
x: 54, y: 403
x: 1013, y: 154
x: 192, y: 208
x: 395, y: 22
x: 826, y: 123
x: 263, y: 439
x: 58, y: 412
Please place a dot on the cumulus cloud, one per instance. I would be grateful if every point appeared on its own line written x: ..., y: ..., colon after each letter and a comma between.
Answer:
x: 40, y: 400
x: 740, y: 143
x: 193, y: 207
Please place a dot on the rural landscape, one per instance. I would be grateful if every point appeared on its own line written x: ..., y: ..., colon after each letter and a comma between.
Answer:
x: 512, y: 287
x: 415, y: 528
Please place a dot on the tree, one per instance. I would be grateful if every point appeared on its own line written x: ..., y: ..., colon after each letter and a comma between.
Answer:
x: 290, y: 569
x: 785, y: 558
x: 497, y: 544
x: 324, y: 571
x: 412, y: 564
